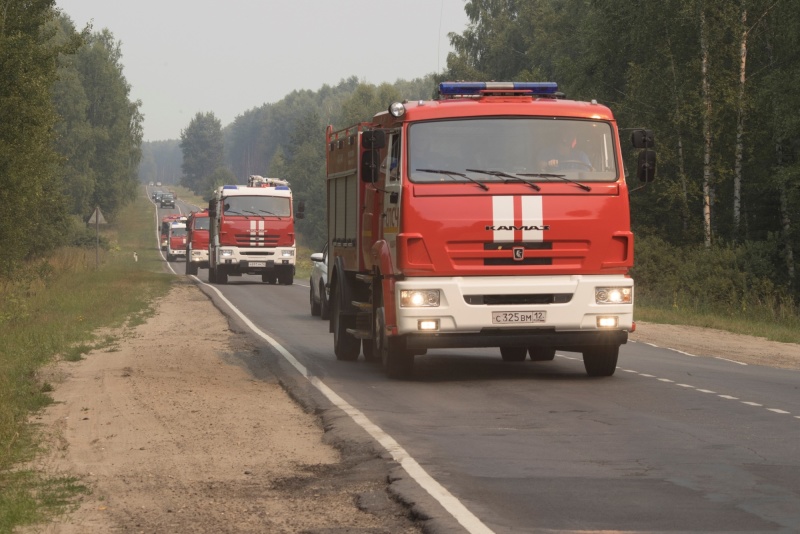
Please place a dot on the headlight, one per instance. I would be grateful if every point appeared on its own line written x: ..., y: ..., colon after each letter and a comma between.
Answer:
x: 226, y: 252
x: 419, y: 298
x: 287, y: 253
x: 613, y: 295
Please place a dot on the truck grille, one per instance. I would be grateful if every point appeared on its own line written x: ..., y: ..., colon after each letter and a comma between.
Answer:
x: 256, y: 239
x: 506, y: 300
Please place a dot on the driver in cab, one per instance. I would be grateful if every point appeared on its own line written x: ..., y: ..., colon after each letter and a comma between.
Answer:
x: 564, y: 155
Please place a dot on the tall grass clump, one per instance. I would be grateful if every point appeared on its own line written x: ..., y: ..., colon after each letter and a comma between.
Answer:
x: 732, y: 287
x: 48, y: 307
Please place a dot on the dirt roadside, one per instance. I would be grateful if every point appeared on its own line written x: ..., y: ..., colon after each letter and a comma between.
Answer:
x: 172, y: 433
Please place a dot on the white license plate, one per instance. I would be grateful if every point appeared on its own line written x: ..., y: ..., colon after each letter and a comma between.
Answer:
x: 527, y: 317
x: 257, y: 264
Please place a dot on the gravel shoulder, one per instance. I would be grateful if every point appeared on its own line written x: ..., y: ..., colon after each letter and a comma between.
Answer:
x: 172, y: 433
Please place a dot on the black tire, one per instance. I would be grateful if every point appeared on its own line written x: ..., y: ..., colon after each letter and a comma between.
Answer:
x: 315, y: 306
x: 222, y: 275
x: 345, y: 345
x: 212, y: 275
x: 324, y: 305
x: 513, y: 354
x: 398, y: 362
x: 541, y: 354
x: 601, y: 360
x: 269, y: 278
x: 286, y: 277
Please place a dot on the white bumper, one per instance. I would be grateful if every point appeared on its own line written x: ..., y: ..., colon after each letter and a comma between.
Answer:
x: 461, y: 310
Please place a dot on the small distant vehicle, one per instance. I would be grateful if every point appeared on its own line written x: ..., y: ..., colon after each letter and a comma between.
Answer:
x: 150, y: 184
x: 167, y: 200
x: 318, y: 294
x: 158, y: 184
x: 157, y: 195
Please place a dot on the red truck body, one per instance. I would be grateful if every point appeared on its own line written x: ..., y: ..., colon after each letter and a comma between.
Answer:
x: 449, y: 226
x: 176, y: 240
x: 164, y: 232
x: 197, y: 241
x: 251, y: 231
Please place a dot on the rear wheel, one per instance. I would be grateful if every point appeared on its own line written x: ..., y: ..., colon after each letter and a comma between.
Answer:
x: 191, y: 268
x: 212, y: 274
x: 368, y: 348
x: 513, y: 354
x: 601, y: 360
x: 345, y: 345
x: 541, y: 354
x: 398, y: 362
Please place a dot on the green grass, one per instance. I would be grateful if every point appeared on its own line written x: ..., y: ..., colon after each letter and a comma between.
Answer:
x: 52, y: 309
x: 786, y: 330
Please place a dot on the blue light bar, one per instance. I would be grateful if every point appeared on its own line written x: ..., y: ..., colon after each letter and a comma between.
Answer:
x: 230, y: 187
x: 281, y: 188
x: 477, y: 88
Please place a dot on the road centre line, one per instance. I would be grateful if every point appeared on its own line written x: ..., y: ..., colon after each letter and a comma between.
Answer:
x: 726, y: 397
x: 454, y: 507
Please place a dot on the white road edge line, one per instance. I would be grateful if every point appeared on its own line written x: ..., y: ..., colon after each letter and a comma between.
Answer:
x: 453, y: 506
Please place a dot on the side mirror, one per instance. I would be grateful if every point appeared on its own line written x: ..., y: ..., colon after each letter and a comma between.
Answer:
x: 370, y: 166
x: 643, y: 139
x: 646, y: 166
x: 212, y: 208
x: 373, y: 139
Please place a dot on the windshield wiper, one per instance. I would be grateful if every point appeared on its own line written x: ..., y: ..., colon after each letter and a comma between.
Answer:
x: 507, y: 175
x: 560, y: 177
x: 270, y: 213
x: 454, y: 173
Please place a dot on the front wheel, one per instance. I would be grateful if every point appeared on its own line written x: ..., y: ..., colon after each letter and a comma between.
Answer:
x: 601, y: 360
x: 513, y: 354
x: 398, y: 362
x: 541, y: 354
x: 345, y: 345
x: 324, y: 305
x: 315, y: 311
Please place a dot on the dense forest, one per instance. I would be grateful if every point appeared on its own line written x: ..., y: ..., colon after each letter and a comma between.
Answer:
x: 71, y: 137
x: 712, y: 78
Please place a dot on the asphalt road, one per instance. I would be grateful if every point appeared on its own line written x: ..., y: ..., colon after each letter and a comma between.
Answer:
x: 670, y: 443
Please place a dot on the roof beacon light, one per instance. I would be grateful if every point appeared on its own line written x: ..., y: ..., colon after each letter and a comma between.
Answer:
x: 451, y: 89
x: 397, y: 109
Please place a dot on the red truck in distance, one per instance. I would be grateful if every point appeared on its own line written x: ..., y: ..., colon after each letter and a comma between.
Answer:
x: 251, y: 231
x: 197, y: 241
x: 164, y: 231
x: 495, y: 216
x: 176, y: 240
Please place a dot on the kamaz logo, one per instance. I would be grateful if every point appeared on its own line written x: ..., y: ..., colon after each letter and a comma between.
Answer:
x: 522, y: 227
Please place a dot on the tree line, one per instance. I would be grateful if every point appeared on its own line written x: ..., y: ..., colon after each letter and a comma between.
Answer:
x: 71, y: 137
x: 712, y: 78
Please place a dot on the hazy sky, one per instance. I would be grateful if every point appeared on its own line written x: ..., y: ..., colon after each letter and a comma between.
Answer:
x: 182, y: 57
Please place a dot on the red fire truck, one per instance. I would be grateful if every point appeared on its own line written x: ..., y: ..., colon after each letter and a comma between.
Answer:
x: 176, y: 240
x: 495, y: 216
x: 197, y: 241
x: 165, y: 222
x: 251, y: 231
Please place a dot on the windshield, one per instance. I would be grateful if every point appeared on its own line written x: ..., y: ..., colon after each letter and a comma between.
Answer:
x: 257, y: 205
x: 201, y: 223
x: 501, y: 149
x: 178, y: 232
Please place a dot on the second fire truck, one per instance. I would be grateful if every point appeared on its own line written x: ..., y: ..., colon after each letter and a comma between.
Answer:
x: 251, y: 231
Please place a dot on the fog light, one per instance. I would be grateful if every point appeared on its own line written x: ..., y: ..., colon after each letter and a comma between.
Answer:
x: 428, y: 324
x: 607, y: 322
